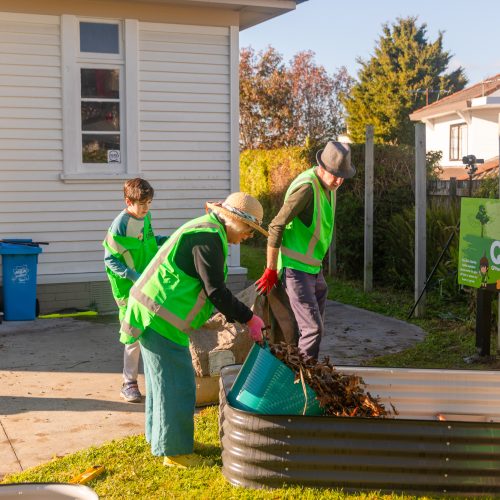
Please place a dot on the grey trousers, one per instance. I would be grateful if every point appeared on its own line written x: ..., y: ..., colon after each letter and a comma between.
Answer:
x: 307, y: 294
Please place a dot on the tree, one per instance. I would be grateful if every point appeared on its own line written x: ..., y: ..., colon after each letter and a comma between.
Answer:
x: 285, y: 106
x: 405, y: 70
x: 482, y: 217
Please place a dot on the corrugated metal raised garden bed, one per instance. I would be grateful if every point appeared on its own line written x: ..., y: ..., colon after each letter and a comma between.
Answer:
x: 445, y: 439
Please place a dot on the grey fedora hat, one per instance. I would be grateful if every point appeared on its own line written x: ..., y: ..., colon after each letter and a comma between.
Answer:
x: 336, y: 159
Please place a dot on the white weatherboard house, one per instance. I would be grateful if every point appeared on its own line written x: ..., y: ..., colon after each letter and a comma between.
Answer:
x: 93, y: 93
x: 464, y: 123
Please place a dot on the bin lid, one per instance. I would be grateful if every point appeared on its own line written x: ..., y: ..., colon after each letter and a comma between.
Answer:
x: 19, y: 249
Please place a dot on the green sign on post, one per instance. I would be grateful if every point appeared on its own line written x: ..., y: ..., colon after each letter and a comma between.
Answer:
x: 479, y: 251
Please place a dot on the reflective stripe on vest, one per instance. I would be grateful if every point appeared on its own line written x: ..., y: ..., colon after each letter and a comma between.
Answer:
x: 153, y: 306
x: 124, y: 252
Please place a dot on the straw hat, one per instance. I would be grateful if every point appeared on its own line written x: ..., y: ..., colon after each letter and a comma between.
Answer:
x: 336, y: 159
x: 241, y: 207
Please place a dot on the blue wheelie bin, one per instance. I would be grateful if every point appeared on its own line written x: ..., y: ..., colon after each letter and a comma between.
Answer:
x: 19, y: 263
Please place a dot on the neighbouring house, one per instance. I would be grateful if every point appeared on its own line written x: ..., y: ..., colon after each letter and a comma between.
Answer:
x: 465, y: 123
x: 93, y: 93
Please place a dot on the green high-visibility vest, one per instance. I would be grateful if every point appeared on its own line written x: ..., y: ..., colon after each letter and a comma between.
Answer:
x: 304, y: 247
x: 167, y: 299
x: 136, y: 254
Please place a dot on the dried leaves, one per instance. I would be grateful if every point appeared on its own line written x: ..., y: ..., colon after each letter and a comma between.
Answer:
x: 339, y: 394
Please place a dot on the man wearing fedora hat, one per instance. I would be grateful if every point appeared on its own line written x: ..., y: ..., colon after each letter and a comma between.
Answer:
x: 299, y: 237
x: 176, y: 293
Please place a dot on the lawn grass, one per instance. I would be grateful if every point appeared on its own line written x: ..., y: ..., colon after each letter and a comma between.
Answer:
x: 131, y: 471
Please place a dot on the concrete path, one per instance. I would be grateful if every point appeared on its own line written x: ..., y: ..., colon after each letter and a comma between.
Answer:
x: 60, y: 379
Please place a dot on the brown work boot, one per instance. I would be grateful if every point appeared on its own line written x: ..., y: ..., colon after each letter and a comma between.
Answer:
x: 188, y: 460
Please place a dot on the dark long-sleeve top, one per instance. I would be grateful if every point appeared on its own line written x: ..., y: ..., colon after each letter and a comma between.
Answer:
x: 299, y: 204
x: 200, y: 255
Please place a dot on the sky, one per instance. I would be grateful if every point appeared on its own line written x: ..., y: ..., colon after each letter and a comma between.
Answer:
x: 340, y: 32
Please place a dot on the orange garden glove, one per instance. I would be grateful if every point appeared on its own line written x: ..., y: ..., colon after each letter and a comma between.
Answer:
x: 255, y: 326
x: 266, y: 282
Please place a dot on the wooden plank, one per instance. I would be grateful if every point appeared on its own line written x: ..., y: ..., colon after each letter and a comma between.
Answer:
x: 30, y: 20
x: 179, y: 117
x: 107, y: 209
x: 30, y: 92
x: 146, y: 96
x: 30, y: 102
x: 420, y: 215
x: 168, y: 185
x: 29, y: 49
x: 31, y: 134
x: 198, y: 107
x: 157, y: 36
x: 29, y: 166
x: 77, y: 218
x: 183, y: 67
x: 170, y: 77
x: 32, y: 80
x: 368, y: 239
x: 30, y: 60
x: 183, y: 136
x: 191, y: 127
x: 198, y: 166
x: 31, y: 113
x: 183, y: 48
x: 28, y: 28
x: 30, y: 71
x: 185, y: 156
x: 182, y: 28
x: 30, y: 124
x: 29, y: 38
x: 182, y: 146
x: 13, y: 144
x: 183, y: 58
x: 30, y: 154
x: 182, y: 88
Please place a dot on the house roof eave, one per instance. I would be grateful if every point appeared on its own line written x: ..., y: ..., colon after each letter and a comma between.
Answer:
x: 448, y: 109
x: 251, y: 12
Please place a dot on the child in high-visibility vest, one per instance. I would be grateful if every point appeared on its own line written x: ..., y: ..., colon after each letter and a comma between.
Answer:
x: 129, y: 246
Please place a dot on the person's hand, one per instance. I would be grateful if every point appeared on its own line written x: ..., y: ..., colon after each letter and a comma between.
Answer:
x: 255, y: 326
x: 266, y: 282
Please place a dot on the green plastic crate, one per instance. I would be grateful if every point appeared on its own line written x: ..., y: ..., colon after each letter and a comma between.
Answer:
x: 265, y: 385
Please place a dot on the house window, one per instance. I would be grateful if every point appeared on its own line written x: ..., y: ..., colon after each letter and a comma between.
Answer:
x: 100, y: 115
x: 100, y: 111
x: 458, y: 141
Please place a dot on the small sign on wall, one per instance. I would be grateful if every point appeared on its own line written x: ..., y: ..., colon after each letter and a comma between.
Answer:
x: 479, y: 250
x: 114, y: 156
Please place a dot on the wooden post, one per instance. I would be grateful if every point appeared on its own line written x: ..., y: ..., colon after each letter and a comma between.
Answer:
x: 369, y: 166
x: 483, y: 321
x: 420, y: 213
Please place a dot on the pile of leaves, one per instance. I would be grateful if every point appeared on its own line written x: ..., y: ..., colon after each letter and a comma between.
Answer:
x: 339, y: 394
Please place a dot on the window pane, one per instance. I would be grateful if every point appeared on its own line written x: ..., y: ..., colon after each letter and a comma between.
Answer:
x: 99, y: 37
x: 101, y: 116
x: 104, y: 83
x: 100, y: 148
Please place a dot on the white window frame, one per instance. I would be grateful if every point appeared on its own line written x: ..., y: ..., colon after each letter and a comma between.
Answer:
x: 72, y: 60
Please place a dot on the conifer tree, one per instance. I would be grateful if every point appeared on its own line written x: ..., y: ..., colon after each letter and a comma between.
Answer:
x: 405, y: 73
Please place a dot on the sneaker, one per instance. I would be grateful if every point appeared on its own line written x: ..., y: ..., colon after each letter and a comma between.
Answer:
x: 130, y: 392
x: 188, y: 460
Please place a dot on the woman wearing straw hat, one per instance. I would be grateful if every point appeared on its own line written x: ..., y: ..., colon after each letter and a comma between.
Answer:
x: 299, y: 237
x: 176, y: 293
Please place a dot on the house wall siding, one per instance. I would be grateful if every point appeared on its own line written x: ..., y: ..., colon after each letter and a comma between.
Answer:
x: 185, y: 143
